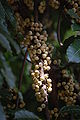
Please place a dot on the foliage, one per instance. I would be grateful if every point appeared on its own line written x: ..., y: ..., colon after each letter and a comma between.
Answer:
x: 26, y: 115
x: 73, y: 51
x: 3, y: 117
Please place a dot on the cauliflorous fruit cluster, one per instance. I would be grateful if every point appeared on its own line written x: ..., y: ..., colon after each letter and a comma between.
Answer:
x: 12, y: 100
x: 75, y: 5
x: 39, y: 53
x: 29, y: 4
x: 22, y: 24
x: 54, y: 112
x: 54, y: 4
x: 42, y: 6
x: 57, y: 62
x: 66, y: 89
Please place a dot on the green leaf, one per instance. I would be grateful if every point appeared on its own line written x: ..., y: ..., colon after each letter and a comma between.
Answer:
x: 75, y: 27
x: 69, y: 33
x: 73, y: 14
x: 66, y: 43
x: 25, y: 115
x: 2, y: 114
x: 7, y: 72
x: 70, y: 109
x: 8, y: 13
x: 13, y: 43
x: 73, y: 51
x: 5, y: 11
x: 4, y: 42
x: 2, y: 12
x: 73, y: 109
x: 3, y: 24
x: 1, y: 80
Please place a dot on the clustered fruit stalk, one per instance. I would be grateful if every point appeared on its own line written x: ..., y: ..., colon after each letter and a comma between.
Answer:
x: 40, y: 56
x: 39, y: 53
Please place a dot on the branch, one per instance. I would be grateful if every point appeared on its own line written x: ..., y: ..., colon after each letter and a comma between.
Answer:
x: 21, y: 75
x: 62, y: 2
x: 23, y: 10
x: 72, y: 117
x: 55, y: 76
x: 47, y: 112
x: 58, y: 29
x: 36, y: 10
x: 47, y: 8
